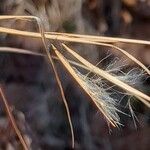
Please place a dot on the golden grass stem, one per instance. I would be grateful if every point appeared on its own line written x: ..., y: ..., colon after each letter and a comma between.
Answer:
x: 101, y: 39
x: 28, y: 52
x: 79, y: 81
x: 107, y: 76
x: 12, y: 120
x: 78, y: 40
x: 50, y: 61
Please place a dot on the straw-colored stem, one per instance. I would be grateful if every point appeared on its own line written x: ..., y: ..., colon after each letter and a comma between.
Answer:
x: 102, y: 39
x: 79, y: 81
x: 50, y: 60
x: 77, y: 40
x: 12, y: 120
x: 28, y: 52
x: 88, y: 37
x: 107, y: 76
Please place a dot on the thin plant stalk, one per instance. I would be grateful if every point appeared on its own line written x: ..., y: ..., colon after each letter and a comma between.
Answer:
x: 28, y: 52
x: 76, y: 40
x: 50, y: 60
x: 79, y: 81
x: 101, y: 39
x: 12, y: 120
x: 107, y: 76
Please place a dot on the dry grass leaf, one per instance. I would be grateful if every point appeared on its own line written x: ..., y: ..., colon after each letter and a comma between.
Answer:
x: 93, y: 87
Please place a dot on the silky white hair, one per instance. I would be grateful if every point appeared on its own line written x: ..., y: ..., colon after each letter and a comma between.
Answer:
x: 102, y: 93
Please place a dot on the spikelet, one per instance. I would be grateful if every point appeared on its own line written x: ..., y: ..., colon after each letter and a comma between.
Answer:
x: 98, y: 91
x: 103, y: 94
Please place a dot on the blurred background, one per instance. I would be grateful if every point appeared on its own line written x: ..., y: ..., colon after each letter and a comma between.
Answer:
x: 31, y: 88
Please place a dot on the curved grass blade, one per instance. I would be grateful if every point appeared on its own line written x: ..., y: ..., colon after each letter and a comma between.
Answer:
x: 42, y: 36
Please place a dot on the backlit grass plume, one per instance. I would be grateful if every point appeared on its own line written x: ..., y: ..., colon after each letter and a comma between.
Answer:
x: 96, y: 87
x: 103, y: 93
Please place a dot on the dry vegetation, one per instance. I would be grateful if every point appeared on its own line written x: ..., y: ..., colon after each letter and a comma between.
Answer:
x: 93, y: 88
x: 100, y: 84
